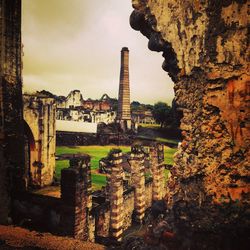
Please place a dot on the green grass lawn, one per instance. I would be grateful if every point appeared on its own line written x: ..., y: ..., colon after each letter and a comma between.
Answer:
x: 168, y: 155
x: 96, y: 153
x: 98, y: 181
x: 144, y: 125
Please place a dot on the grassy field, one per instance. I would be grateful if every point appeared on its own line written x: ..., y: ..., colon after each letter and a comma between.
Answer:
x: 96, y: 153
x: 154, y: 132
x: 144, y: 125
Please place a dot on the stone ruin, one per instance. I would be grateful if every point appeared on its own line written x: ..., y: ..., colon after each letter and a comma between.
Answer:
x: 39, y: 113
x: 101, y: 216
x: 205, y: 45
x: 206, y: 49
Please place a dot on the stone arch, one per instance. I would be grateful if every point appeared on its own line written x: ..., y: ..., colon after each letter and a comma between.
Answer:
x: 30, y: 136
x: 29, y: 154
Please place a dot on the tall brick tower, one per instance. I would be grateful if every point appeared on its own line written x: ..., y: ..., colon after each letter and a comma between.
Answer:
x: 124, y: 114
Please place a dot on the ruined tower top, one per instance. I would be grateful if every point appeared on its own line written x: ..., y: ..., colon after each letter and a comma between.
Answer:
x: 124, y: 114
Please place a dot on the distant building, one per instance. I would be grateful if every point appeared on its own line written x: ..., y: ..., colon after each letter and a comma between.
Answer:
x: 143, y: 116
x: 104, y: 104
x: 75, y: 108
x: 74, y: 99
x: 87, y: 116
x: 106, y: 117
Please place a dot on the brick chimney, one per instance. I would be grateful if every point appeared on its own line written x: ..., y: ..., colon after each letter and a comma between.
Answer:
x: 124, y: 114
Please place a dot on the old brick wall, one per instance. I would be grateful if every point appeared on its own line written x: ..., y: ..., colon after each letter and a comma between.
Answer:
x: 11, y: 128
x: 102, y: 220
x: 206, y: 51
x: 148, y: 193
x: 39, y: 114
x: 129, y: 208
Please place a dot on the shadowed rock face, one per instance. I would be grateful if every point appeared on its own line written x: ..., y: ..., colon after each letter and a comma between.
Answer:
x: 11, y: 126
x: 205, y: 47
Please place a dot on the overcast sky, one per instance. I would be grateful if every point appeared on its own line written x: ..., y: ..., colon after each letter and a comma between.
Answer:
x: 76, y: 44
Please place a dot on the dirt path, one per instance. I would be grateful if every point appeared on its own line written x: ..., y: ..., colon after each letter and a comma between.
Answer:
x: 19, y: 238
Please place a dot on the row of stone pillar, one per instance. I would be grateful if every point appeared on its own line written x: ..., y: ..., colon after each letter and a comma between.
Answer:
x: 115, y: 184
x: 76, y: 190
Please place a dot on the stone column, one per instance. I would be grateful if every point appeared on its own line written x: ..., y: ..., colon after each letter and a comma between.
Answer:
x: 115, y: 192
x: 138, y: 181
x: 157, y: 167
x: 76, y: 196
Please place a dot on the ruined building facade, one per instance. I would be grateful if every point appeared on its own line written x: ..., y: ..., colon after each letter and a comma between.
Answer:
x: 206, y: 50
x: 40, y: 139
x: 124, y: 113
x: 73, y: 99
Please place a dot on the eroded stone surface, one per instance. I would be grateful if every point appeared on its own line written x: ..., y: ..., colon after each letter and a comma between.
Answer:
x: 11, y: 127
x: 40, y: 134
x: 206, y: 52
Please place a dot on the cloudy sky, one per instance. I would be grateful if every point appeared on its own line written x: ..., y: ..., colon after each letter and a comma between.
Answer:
x: 76, y: 44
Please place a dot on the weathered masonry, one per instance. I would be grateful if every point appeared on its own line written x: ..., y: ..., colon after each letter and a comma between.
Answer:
x: 101, y: 215
x: 40, y: 139
x: 11, y: 110
x: 205, y: 45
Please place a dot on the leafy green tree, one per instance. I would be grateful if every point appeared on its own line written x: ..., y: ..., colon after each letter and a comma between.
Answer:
x: 162, y: 113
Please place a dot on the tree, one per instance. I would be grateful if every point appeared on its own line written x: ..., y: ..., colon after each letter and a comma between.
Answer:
x: 162, y: 113
x: 135, y: 106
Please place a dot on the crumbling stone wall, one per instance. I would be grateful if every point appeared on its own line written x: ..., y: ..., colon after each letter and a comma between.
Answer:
x: 102, y: 220
x: 81, y: 214
x: 129, y: 209
x: 39, y: 114
x: 206, y: 50
x: 11, y: 127
x: 76, y: 197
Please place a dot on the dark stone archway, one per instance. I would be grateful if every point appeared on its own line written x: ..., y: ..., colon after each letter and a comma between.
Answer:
x: 29, y: 150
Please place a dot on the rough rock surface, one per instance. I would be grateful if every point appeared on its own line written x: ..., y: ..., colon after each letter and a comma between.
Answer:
x: 206, y: 50
x: 11, y: 126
